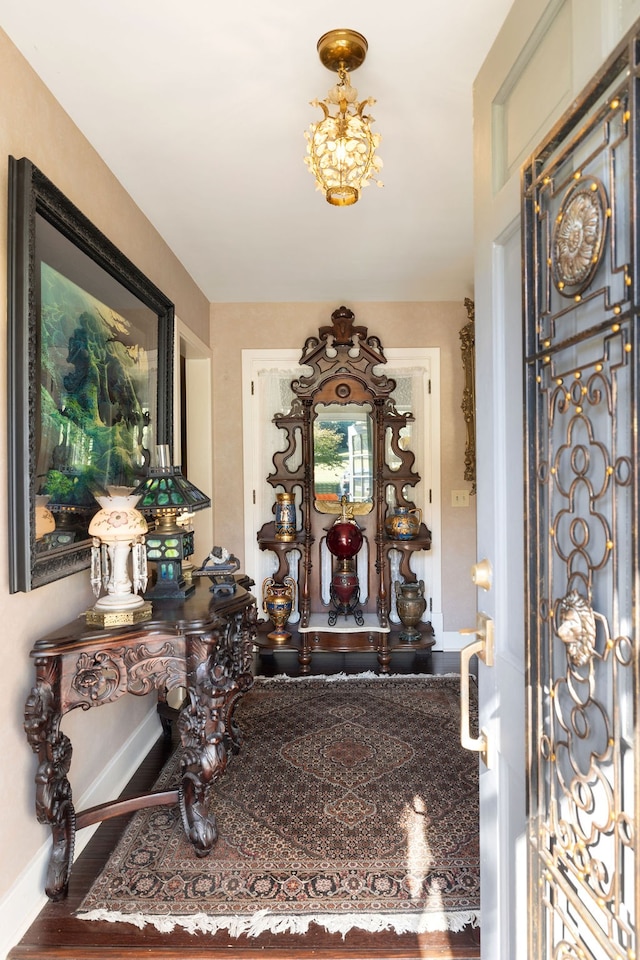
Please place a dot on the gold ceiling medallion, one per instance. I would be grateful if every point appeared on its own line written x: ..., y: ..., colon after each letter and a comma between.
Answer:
x: 341, y: 149
x: 578, y: 236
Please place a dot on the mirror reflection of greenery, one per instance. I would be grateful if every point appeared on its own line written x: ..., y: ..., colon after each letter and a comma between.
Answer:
x: 329, y: 445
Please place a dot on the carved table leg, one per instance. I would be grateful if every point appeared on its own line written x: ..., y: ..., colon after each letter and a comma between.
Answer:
x: 203, y: 760
x: 53, y: 791
x: 217, y: 676
x: 202, y: 730
x: 239, y: 640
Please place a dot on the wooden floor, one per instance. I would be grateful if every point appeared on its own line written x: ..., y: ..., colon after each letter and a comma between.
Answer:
x: 57, y: 935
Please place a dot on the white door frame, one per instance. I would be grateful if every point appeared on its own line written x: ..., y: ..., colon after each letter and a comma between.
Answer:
x: 199, y: 424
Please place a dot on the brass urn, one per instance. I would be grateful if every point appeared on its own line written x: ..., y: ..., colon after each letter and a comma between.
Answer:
x: 411, y: 604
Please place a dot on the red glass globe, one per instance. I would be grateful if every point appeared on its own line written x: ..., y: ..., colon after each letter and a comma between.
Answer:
x: 344, y: 539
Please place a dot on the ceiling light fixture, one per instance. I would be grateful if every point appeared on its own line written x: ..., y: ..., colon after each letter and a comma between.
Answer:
x: 341, y: 147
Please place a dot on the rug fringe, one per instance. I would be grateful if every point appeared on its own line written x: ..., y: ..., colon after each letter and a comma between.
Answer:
x: 266, y: 922
x: 365, y: 675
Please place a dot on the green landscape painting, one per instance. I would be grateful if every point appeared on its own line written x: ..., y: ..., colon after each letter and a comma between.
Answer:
x: 97, y: 394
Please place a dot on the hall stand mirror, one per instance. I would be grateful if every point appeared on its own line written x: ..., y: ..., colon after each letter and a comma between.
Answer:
x: 344, y: 524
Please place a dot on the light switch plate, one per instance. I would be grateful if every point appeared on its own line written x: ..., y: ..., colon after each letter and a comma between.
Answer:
x: 459, y: 498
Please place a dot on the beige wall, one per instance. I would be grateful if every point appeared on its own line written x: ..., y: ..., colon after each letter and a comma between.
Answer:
x: 32, y: 124
x: 287, y: 325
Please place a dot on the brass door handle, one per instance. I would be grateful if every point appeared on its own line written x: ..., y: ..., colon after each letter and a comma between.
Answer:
x: 482, y: 648
x: 484, y: 631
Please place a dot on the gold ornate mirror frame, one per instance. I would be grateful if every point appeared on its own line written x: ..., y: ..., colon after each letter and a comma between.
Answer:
x: 468, y: 343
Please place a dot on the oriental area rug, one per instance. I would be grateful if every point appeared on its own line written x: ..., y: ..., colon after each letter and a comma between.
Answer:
x: 350, y: 804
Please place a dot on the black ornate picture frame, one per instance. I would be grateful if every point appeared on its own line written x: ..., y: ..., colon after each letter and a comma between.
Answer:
x: 90, y: 378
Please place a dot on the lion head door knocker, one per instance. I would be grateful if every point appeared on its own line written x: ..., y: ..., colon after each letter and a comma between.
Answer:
x: 577, y: 628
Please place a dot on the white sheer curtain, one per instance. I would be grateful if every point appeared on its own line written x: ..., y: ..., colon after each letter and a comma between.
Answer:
x: 273, y: 387
x: 409, y: 397
x: 276, y: 397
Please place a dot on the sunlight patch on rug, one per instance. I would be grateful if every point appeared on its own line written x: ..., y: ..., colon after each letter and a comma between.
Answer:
x: 350, y: 804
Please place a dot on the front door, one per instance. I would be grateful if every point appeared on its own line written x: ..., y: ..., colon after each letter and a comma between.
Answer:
x: 562, y: 535
x: 581, y: 345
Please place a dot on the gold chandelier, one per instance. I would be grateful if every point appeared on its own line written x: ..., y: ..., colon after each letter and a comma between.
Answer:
x: 341, y: 147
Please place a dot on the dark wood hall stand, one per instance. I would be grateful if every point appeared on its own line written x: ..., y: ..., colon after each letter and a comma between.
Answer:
x: 346, y: 388
x: 202, y: 644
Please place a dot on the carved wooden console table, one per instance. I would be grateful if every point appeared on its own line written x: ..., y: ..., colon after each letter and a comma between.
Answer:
x: 201, y: 644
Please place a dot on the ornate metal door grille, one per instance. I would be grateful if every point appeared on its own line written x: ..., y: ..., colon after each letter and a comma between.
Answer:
x: 581, y: 340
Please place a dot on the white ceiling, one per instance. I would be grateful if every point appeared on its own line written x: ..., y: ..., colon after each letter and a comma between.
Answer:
x: 199, y: 108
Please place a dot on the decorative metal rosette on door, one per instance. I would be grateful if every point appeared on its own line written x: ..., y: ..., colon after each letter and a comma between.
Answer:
x: 578, y: 238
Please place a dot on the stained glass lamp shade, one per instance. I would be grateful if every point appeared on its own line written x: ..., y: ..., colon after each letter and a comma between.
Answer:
x: 165, y: 495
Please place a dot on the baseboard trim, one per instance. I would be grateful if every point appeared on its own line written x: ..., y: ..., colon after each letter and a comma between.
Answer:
x: 26, y: 898
x: 450, y: 642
